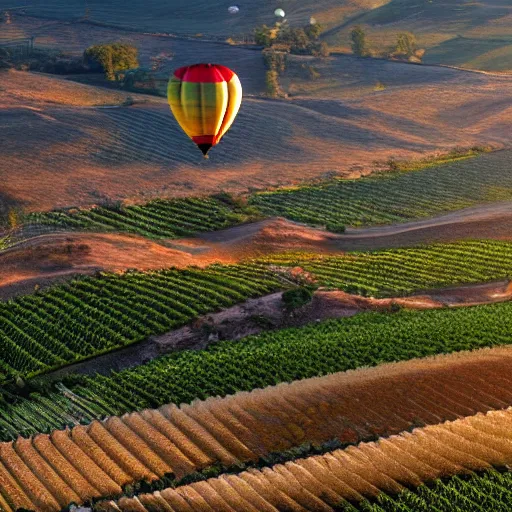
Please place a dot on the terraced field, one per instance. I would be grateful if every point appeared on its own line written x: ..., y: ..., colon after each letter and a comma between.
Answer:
x: 248, y: 427
x: 227, y: 367
x: 324, y: 483
x: 91, y: 316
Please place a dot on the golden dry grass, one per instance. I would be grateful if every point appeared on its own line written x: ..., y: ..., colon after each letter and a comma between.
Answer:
x: 322, y: 482
x: 97, y: 460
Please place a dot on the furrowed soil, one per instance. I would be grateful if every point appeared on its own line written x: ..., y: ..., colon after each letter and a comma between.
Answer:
x: 351, y: 407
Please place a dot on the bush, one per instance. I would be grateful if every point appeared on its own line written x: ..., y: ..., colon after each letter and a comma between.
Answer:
x: 112, y: 58
x: 272, y: 82
x: 297, y: 297
x: 334, y: 227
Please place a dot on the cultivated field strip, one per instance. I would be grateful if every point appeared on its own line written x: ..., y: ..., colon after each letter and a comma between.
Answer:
x: 91, y: 316
x: 394, y: 272
x: 157, y: 219
x: 395, y: 197
x: 323, y: 483
x: 50, y: 471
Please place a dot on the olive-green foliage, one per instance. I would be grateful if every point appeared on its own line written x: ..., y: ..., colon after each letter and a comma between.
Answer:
x: 297, y: 297
x: 113, y: 57
x: 359, y: 43
x: 406, y: 44
x: 272, y: 83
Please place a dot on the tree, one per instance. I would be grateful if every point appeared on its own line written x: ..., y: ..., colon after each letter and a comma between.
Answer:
x: 406, y: 44
x: 264, y: 35
x: 112, y: 58
x: 313, y: 31
x: 359, y: 43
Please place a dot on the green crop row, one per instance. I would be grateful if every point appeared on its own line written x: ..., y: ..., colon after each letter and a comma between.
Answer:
x: 367, y: 339
x: 393, y: 272
x: 156, y: 219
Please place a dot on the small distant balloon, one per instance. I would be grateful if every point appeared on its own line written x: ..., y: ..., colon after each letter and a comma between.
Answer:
x: 233, y: 9
x: 312, y: 20
x: 279, y: 13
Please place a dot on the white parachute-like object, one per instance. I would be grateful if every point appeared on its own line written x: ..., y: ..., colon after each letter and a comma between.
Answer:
x: 234, y: 9
x: 279, y: 13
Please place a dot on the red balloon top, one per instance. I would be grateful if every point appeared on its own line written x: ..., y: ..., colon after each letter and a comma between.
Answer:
x: 204, y: 73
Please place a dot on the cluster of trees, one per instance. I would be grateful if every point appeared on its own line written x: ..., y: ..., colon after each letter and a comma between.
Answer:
x: 113, y: 59
x: 301, y: 40
x: 406, y: 47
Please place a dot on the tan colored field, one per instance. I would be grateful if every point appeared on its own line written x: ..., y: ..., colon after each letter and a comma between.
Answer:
x: 321, y: 483
x: 80, y: 156
x: 99, y: 459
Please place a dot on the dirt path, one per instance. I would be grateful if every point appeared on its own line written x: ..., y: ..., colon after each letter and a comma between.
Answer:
x: 264, y: 313
x: 45, y: 259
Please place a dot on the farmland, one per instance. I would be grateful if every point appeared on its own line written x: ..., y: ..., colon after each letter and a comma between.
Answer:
x: 395, y: 272
x: 394, y: 197
x: 79, y: 156
x: 157, y: 219
x: 99, y: 315
x: 368, y: 339
x: 315, y: 317
x: 324, y: 482
x: 103, y: 313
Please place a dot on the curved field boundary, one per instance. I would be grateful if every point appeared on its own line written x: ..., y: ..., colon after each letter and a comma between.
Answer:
x: 392, y: 198
x: 48, y: 472
x: 323, y: 483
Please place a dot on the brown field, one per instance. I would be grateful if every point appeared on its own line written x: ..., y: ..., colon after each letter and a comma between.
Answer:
x: 321, y: 483
x: 354, y: 406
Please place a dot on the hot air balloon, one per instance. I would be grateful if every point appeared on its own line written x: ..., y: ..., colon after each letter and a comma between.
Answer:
x: 279, y: 13
x: 205, y: 99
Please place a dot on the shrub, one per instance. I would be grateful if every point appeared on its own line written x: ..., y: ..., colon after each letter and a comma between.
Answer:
x: 335, y: 227
x: 359, y: 42
x: 297, y: 297
x: 272, y: 82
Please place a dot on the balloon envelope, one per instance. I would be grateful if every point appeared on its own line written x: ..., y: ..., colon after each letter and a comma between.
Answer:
x: 233, y: 9
x: 279, y: 13
x: 205, y: 99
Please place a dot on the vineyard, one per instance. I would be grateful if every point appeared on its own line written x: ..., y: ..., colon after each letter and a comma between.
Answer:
x: 380, y: 199
x: 323, y: 483
x: 368, y: 339
x: 91, y: 316
x: 402, y: 271
x: 394, y: 197
x: 156, y: 219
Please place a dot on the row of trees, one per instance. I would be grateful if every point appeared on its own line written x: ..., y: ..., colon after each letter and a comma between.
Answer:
x: 405, y: 47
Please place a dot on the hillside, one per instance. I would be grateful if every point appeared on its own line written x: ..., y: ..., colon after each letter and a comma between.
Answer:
x: 454, y: 32
x: 80, y: 156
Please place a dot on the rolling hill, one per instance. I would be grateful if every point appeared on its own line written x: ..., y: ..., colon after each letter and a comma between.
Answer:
x: 78, y: 155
